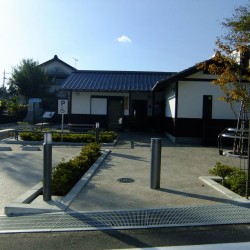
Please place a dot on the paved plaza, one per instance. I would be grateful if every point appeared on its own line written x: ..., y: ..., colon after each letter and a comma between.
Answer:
x: 130, y: 159
x: 181, y: 166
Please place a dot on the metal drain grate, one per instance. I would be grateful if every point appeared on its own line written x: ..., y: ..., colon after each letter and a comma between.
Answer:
x: 142, y: 218
x: 126, y: 180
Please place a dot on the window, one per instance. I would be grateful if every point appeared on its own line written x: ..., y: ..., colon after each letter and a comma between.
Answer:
x: 98, y: 106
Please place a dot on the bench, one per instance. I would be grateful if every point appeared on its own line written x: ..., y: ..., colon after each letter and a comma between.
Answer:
x: 81, y: 127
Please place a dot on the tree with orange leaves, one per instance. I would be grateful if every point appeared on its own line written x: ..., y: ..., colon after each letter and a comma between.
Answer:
x: 231, y: 60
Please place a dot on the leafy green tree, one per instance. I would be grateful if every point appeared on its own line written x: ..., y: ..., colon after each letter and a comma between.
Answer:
x: 16, y: 110
x: 232, y: 75
x: 29, y: 80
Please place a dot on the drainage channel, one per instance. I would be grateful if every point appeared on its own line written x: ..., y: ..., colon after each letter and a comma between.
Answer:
x: 129, y: 219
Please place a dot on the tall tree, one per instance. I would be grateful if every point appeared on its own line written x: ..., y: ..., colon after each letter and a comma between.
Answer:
x: 29, y: 80
x: 231, y: 60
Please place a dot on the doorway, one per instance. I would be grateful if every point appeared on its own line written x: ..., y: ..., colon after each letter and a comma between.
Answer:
x: 207, y: 107
x: 139, y: 115
x: 115, y: 113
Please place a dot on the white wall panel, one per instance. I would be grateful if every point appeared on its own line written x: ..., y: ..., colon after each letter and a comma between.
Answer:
x: 81, y: 101
x: 190, y: 100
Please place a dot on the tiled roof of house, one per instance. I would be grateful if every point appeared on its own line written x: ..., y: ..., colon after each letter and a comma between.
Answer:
x: 56, y: 59
x: 175, y: 77
x: 119, y: 81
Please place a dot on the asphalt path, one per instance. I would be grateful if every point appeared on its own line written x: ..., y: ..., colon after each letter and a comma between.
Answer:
x: 126, y: 239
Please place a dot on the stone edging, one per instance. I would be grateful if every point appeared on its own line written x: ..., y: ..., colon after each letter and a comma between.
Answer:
x: 211, y: 181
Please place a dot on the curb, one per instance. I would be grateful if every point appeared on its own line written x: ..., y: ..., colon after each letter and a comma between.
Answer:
x: 212, y: 182
x: 32, y: 201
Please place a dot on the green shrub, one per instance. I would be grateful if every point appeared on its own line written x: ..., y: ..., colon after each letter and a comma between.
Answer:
x: 93, y: 151
x: 16, y: 110
x: 222, y: 170
x: 107, y: 136
x: 37, y: 135
x: 29, y: 136
x: 232, y: 177
x: 66, y: 174
x: 236, y: 182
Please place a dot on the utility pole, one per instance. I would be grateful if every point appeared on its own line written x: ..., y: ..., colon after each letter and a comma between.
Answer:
x: 4, y: 78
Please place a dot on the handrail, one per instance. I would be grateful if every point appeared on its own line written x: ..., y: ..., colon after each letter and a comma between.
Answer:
x: 233, y: 133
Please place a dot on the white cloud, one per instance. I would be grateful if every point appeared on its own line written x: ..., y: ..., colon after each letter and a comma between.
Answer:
x: 124, y: 39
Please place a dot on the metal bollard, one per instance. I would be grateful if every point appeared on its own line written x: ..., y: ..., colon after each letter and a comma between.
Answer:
x: 47, y: 166
x: 248, y: 164
x: 155, y: 163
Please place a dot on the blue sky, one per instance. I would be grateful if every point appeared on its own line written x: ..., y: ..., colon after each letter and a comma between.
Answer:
x: 147, y: 35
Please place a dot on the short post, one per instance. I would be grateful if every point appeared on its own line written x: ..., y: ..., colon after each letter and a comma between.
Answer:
x: 47, y: 166
x: 155, y: 163
x: 62, y: 127
x: 97, y: 132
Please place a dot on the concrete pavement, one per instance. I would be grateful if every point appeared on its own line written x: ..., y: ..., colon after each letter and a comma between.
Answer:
x: 20, y: 169
x: 130, y: 159
x: 181, y: 166
x: 180, y: 187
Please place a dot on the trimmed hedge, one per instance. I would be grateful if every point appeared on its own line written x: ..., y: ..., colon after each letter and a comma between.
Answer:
x: 104, y: 137
x: 31, y: 136
x: 66, y: 174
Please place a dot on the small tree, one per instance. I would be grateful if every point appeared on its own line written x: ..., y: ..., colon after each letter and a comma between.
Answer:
x: 232, y: 74
x: 16, y: 110
x: 29, y: 80
x: 222, y: 170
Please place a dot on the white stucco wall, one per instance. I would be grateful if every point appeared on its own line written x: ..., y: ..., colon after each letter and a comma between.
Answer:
x: 81, y: 101
x: 190, y: 100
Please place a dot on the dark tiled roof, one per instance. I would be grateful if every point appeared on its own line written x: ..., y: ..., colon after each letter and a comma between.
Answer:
x: 175, y: 77
x: 91, y: 80
x: 56, y: 59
